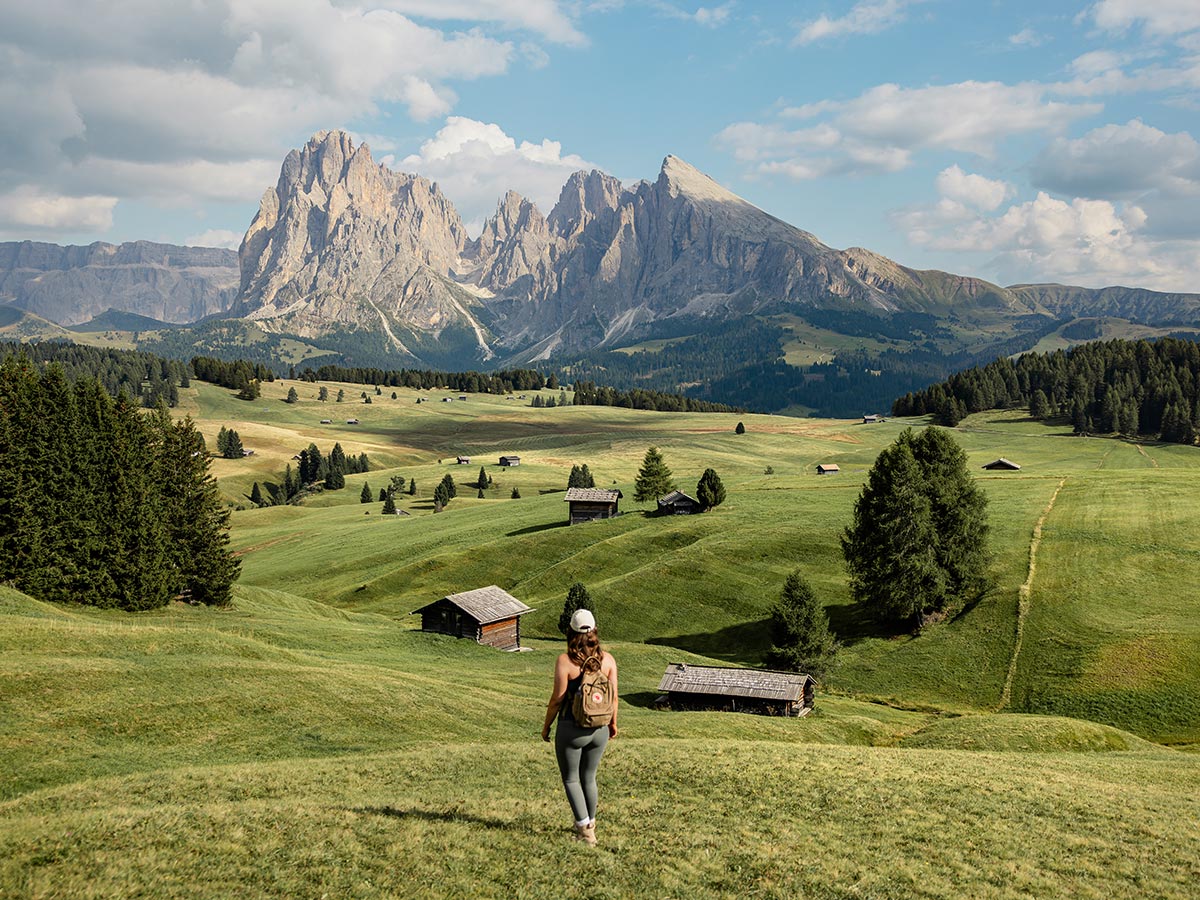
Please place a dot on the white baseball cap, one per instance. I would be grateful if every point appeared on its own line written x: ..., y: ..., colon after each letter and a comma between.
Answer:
x: 582, y: 621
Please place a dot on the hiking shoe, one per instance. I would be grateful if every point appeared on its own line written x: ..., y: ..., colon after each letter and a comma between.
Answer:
x: 586, y: 833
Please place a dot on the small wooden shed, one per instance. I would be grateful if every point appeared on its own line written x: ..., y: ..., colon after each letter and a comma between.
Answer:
x: 870, y: 420
x: 487, y: 615
x: 677, y: 503
x: 828, y: 469
x: 463, y: 460
x: 510, y: 460
x: 589, y: 504
x: 728, y: 689
x: 1003, y: 464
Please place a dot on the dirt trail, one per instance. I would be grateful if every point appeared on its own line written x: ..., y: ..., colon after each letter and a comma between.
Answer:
x: 1023, y: 594
x: 1141, y: 450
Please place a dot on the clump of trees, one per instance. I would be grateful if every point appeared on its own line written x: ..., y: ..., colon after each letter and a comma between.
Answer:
x: 799, y: 629
x: 918, y: 540
x: 577, y: 598
x: 710, y: 491
x: 101, y: 504
x: 653, y: 478
x: 229, y: 444
x: 581, y: 477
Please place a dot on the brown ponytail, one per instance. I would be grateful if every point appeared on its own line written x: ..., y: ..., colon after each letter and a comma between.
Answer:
x: 582, y: 646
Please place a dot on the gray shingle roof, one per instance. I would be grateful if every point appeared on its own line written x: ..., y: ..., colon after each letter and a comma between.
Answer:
x: 676, y: 496
x: 489, y: 604
x: 594, y: 495
x: 731, y: 682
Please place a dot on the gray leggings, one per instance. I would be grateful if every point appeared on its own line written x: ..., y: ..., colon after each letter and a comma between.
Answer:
x: 578, y: 751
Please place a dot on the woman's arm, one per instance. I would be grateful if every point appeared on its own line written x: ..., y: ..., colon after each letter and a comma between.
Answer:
x: 612, y: 679
x: 556, y: 694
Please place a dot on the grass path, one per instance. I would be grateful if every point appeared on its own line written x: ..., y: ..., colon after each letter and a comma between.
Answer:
x: 1142, y: 450
x: 1023, y: 594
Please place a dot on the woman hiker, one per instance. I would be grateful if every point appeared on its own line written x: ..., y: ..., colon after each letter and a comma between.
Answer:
x: 577, y: 748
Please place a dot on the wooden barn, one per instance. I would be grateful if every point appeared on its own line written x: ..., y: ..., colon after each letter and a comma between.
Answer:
x: 487, y: 615
x: 677, y: 503
x: 687, y: 687
x: 1004, y: 465
x: 510, y: 460
x: 463, y: 460
x: 589, y: 504
x: 828, y: 469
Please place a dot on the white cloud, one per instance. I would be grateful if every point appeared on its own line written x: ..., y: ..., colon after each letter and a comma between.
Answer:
x: 972, y: 190
x: 1120, y: 162
x: 713, y: 16
x: 477, y: 162
x: 28, y: 208
x: 1027, y: 37
x: 866, y: 17
x: 181, y: 102
x: 215, y: 237
x: 1159, y: 18
x: 880, y: 130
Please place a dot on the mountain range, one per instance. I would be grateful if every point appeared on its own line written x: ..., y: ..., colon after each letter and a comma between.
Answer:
x: 345, y: 252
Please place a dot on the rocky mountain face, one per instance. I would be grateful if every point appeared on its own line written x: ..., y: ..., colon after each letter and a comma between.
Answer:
x: 71, y: 285
x: 343, y: 243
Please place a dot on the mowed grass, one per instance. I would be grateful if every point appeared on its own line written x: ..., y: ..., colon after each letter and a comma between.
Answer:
x: 283, y: 748
x: 311, y: 741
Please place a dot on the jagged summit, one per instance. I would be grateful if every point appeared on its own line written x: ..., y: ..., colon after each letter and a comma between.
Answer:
x: 681, y: 177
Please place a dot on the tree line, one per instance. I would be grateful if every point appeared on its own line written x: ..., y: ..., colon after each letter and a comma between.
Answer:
x: 1134, y: 388
x: 315, y: 472
x: 100, y: 503
x: 142, y: 376
x: 502, y: 382
x: 238, y: 375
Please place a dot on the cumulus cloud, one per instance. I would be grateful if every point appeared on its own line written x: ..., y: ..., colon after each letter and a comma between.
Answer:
x: 27, y: 208
x: 477, y: 162
x: 881, y: 129
x: 215, y: 237
x: 1027, y: 37
x: 178, y: 92
x: 975, y: 191
x: 1159, y: 18
x: 866, y: 17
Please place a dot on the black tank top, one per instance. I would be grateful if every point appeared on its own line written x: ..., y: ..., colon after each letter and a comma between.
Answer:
x: 568, y: 702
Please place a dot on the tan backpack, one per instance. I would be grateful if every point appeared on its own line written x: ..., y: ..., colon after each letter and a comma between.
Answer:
x: 594, y: 704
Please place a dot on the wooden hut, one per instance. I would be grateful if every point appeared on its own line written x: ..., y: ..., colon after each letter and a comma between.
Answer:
x: 487, y: 615
x: 828, y: 469
x: 463, y: 460
x: 870, y: 420
x: 510, y: 460
x: 677, y: 503
x: 1003, y: 464
x: 589, y: 504
x: 688, y: 687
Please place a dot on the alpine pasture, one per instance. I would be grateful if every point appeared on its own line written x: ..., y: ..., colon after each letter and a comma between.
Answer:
x: 309, y: 741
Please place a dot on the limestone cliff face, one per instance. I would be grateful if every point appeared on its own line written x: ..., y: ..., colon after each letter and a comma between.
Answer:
x: 341, y: 242
x: 71, y: 285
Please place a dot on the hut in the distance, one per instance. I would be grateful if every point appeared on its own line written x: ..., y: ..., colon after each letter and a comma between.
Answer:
x: 510, y: 460
x: 589, y: 504
x: 1003, y: 465
x: 487, y: 615
x: 727, y: 689
x: 828, y: 469
x: 677, y: 503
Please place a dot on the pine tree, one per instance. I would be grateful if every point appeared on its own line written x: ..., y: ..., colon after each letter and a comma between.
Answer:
x: 441, y: 494
x: 482, y: 481
x: 741, y: 429
x: 577, y: 598
x: 799, y: 629
x: 516, y: 494
x: 412, y: 487
x: 389, y: 505
x: 335, y: 476
x: 323, y: 393
x: 341, y: 395
x: 653, y: 479
x: 256, y: 496
x: 451, y: 487
x: 710, y: 491
x: 384, y: 493
x: 292, y: 396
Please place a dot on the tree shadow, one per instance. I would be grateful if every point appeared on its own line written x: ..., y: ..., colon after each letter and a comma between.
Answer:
x: 744, y: 643
x: 533, y: 529
x: 855, y: 622
x: 430, y: 815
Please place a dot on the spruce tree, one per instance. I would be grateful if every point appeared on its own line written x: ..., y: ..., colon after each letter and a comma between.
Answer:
x: 412, y: 487
x: 256, y: 495
x: 451, y: 488
x: 365, y: 495
x: 292, y: 396
x: 482, y: 481
x: 323, y: 393
x: 710, y: 491
x: 577, y: 598
x: 653, y: 479
x: 741, y: 429
x: 389, y: 505
x: 384, y: 493
x: 516, y: 494
x: 799, y: 629
x: 441, y: 494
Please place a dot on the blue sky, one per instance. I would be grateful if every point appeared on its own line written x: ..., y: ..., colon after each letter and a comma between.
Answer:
x: 1013, y: 141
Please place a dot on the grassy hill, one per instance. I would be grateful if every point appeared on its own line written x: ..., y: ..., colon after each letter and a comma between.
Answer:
x: 309, y: 740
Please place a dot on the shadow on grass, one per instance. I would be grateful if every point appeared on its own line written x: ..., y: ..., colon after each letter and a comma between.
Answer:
x: 641, y: 699
x: 744, y: 643
x: 431, y: 815
x: 533, y: 529
x: 854, y: 622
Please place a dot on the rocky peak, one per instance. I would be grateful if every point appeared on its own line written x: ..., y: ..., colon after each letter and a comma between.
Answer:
x: 585, y: 197
x: 678, y: 178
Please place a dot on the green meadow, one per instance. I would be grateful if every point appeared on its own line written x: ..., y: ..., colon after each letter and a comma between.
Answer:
x: 311, y: 741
